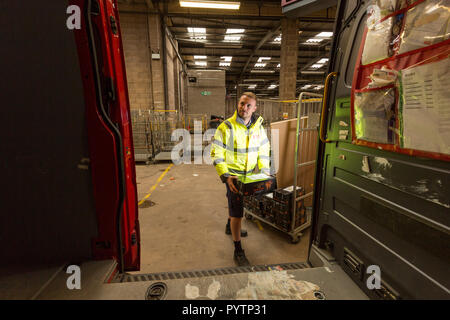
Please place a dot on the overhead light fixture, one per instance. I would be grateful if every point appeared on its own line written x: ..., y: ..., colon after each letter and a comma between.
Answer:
x: 262, y: 71
x: 319, y: 87
x: 314, y: 40
x: 279, y: 65
x: 323, y: 61
x: 260, y: 65
x: 231, y: 5
x: 224, y: 64
x: 272, y: 86
x: 201, y: 63
x: 316, y: 66
x: 199, y: 57
x: 325, y: 34
x: 235, y: 31
x: 232, y: 38
x: 263, y: 58
x: 277, y: 39
x: 312, y: 72
x: 196, y: 30
x: 307, y: 86
x: 253, y: 86
x: 198, y: 38
x: 226, y: 58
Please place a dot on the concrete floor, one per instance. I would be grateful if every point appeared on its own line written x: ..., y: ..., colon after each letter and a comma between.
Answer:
x: 185, y: 228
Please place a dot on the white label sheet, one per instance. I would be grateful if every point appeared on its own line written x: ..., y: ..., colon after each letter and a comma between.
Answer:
x: 426, y: 107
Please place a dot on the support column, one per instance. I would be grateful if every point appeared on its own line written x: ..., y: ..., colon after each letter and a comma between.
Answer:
x: 289, y: 59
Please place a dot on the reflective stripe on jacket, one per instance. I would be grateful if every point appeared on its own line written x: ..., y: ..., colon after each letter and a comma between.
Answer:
x: 236, y: 149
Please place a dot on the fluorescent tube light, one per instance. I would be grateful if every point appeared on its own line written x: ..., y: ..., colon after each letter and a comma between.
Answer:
x: 199, y: 57
x: 196, y: 30
x: 260, y: 65
x: 325, y: 34
x: 314, y: 40
x: 262, y: 71
x: 279, y: 65
x: 235, y: 30
x: 226, y: 58
x: 224, y: 64
x: 323, y: 61
x: 317, y: 66
x: 210, y: 4
x: 263, y: 58
x: 201, y: 63
x: 232, y: 38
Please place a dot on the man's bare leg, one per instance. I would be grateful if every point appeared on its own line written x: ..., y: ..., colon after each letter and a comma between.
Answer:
x: 235, y: 224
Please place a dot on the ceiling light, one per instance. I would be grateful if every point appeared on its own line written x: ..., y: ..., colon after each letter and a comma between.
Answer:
x: 318, y: 87
x: 253, y: 86
x: 312, y: 72
x: 325, y: 35
x: 307, y: 86
x: 314, y: 40
x: 196, y: 30
x: 201, y: 63
x: 316, y: 66
x: 235, y: 30
x: 232, y: 38
x: 279, y: 65
x: 198, y: 38
x: 224, y: 64
x: 278, y: 39
x: 260, y: 65
x: 210, y: 4
x: 323, y: 61
x: 263, y: 58
x: 226, y: 58
x: 272, y: 86
x: 262, y: 71
x: 199, y: 57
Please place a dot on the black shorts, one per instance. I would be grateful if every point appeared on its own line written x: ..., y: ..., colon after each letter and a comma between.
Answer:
x: 235, y: 204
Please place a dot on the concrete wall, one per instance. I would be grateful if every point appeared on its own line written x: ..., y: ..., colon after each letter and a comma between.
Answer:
x: 142, y: 37
x: 213, y: 82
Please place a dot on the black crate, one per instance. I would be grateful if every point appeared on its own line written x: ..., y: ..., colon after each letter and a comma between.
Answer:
x: 247, y: 186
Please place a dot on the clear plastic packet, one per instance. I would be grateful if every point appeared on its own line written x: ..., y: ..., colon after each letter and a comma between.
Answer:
x: 378, y: 39
x: 425, y: 24
x: 382, y: 77
x: 375, y: 115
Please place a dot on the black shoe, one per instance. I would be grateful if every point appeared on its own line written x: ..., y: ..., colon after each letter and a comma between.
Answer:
x: 240, y: 259
x: 228, y: 231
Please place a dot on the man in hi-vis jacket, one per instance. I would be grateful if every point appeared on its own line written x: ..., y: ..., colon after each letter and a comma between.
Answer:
x: 240, y: 144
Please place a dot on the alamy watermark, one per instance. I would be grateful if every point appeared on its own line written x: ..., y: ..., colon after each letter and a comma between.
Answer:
x: 74, y: 280
x: 198, y: 146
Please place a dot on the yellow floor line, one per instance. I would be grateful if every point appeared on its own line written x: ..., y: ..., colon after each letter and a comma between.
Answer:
x: 156, y: 184
x: 259, y: 225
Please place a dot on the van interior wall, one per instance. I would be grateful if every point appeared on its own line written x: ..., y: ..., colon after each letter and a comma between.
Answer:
x: 47, y: 210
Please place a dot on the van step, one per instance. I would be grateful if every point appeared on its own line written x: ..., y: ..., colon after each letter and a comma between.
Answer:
x: 205, y: 273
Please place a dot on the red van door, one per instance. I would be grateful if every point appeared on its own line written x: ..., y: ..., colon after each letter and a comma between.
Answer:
x: 109, y: 129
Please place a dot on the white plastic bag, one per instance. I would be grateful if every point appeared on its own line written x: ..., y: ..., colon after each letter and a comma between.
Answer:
x: 377, y: 42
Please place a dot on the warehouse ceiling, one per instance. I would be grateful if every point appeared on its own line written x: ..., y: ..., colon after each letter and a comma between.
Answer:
x: 251, y: 35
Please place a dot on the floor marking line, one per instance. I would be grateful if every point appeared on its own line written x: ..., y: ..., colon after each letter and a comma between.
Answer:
x: 156, y: 184
x: 259, y: 225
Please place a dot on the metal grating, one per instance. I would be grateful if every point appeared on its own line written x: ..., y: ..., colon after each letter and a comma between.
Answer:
x: 205, y: 273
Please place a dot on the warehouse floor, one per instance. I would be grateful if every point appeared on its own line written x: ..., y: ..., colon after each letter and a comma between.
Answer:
x: 185, y: 227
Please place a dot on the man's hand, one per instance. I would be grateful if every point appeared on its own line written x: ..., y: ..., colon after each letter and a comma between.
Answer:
x: 231, y: 185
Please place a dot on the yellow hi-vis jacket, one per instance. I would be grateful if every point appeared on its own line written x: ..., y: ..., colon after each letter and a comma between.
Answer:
x: 236, y: 149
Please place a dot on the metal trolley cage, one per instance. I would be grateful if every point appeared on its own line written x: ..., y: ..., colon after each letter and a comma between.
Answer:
x: 308, y: 105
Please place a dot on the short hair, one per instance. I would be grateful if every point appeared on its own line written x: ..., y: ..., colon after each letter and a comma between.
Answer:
x: 250, y: 95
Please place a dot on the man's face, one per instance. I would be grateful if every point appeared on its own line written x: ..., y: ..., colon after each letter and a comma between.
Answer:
x: 246, y: 107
